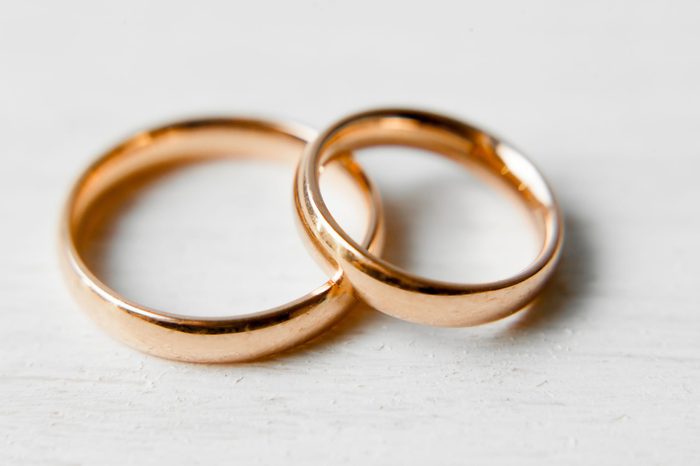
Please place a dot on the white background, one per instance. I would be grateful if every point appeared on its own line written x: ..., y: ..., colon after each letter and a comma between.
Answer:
x: 604, y: 96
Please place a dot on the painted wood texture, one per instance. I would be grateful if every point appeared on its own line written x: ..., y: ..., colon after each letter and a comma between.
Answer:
x: 604, y: 97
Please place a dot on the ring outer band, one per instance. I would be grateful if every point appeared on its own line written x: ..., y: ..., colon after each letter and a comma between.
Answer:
x: 208, y: 340
x: 391, y: 289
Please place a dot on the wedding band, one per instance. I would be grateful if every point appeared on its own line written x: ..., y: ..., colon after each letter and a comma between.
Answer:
x: 395, y: 291
x: 198, y: 339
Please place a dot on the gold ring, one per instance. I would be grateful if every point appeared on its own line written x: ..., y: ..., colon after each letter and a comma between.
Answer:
x: 391, y: 289
x: 196, y: 339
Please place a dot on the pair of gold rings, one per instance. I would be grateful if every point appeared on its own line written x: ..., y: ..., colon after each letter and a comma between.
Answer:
x: 354, y: 268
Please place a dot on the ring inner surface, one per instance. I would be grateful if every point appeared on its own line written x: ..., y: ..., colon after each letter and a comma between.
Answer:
x: 495, y: 162
x: 170, y: 147
x: 176, y: 146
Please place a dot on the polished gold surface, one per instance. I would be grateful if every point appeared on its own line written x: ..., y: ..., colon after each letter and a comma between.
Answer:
x: 395, y: 291
x: 202, y: 339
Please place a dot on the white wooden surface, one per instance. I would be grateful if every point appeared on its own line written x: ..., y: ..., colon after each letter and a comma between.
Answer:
x: 604, y: 96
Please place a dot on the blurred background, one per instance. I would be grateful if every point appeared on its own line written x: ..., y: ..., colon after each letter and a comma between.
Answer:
x: 604, y: 96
